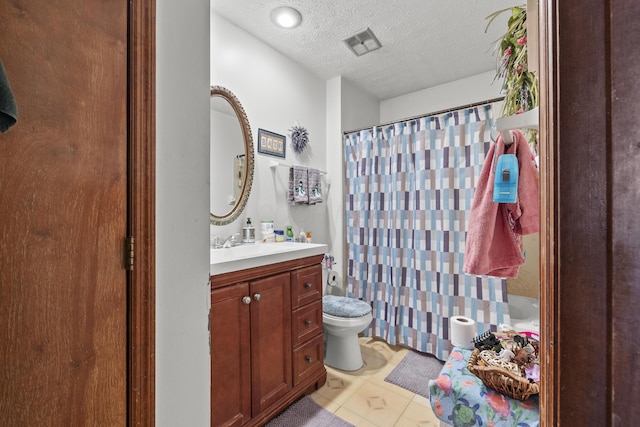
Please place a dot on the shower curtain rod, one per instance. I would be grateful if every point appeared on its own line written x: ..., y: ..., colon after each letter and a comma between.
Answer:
x: 435, y: 113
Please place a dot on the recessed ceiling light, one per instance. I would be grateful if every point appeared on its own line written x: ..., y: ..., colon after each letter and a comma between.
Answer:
x: 286, y: 17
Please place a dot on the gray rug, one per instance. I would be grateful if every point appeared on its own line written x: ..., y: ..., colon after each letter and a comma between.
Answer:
x: 307, y: 413
x: 414, y: 372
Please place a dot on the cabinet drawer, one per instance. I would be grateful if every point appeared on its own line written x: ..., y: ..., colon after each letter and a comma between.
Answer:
x: 306, y: 285
x: 307, y: 322
x: 308, y: 359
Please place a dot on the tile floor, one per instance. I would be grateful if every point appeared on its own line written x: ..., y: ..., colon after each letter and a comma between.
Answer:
x: 365, y: 399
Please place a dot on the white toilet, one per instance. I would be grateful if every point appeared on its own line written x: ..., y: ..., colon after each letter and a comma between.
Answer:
x: 343, y: 318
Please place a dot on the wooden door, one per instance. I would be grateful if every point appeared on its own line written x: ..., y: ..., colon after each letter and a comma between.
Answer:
x: 591, y: 191
x: 270, y: 340
x: 230, y: 356
x: 63, y: 215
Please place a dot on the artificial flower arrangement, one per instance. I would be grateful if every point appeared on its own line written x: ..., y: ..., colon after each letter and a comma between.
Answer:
x: 520, y: 85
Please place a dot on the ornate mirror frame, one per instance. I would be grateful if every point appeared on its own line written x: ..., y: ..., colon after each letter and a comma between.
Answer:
x: 248, y: 148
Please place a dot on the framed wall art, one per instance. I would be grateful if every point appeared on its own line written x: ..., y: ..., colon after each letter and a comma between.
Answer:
x: 271, y: 143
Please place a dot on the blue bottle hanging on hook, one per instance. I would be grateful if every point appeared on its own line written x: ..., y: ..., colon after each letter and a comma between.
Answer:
x: 505, y: 183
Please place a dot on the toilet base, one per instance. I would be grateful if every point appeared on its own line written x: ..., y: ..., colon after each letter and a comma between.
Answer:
x: 343, y: 352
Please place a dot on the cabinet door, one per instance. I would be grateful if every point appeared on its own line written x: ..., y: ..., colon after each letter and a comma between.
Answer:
x: 230, y: 356
x: 270, y: 340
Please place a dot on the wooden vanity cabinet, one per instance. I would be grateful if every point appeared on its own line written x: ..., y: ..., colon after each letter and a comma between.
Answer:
x: 266, y: 340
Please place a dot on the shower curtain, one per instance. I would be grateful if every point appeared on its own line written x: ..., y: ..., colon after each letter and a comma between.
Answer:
x: 409, y: 191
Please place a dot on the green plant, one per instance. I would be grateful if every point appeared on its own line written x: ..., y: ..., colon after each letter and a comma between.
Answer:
x: 520, y: 85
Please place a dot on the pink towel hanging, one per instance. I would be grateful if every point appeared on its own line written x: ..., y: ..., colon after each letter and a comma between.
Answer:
x: 494, y: 236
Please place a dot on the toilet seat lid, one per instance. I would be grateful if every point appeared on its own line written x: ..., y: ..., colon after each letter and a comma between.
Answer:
x: 344, y: 307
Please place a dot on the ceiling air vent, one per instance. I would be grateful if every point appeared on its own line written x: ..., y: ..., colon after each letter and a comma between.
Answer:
x: 363, y: 42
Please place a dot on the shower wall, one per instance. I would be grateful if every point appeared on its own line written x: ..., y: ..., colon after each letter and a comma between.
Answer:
x: 528, y: 281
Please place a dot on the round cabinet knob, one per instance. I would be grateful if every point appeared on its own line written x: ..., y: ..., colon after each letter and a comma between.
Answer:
x: 257, y: 297
x: 246, y: 300
x: 309, y: 359
x: 307, y: 322
x: 308, y: 285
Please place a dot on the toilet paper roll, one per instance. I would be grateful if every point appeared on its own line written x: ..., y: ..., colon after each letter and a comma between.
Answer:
x: 463, y: 331
x: 333, y: 283
x: 333, y: 279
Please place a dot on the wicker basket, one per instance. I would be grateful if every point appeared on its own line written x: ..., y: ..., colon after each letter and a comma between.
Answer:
x: 502, y: 380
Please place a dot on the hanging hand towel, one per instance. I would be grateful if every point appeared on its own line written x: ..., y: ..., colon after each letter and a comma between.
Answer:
x: 494, y: 238
x: 8, y: 108
x: 298, y: 185
x: 315, y: 187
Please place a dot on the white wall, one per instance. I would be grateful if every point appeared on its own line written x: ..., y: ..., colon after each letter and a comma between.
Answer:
x: 348, y: 108
x: 359, y: 109
x: 335, y: 171
x: 182, y: 213
x: 276, y: 94
x: 478, y: 88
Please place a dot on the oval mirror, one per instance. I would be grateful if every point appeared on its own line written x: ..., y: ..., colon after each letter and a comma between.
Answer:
x: 231, y: 170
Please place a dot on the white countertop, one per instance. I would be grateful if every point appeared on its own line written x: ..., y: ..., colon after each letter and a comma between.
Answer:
x: 258, y: 254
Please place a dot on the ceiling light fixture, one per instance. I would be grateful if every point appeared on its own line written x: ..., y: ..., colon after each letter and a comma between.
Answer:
x: 286, y: 17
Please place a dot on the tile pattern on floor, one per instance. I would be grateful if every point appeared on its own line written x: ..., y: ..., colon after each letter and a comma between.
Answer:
x: 365, y: 399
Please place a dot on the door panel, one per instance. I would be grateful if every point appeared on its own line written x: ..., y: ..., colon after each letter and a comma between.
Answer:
x: 63, y: 204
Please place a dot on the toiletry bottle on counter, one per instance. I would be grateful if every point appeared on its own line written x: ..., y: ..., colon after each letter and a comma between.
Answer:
x: 289, y: 234
x: 302, y: 237
x: 248, y: 232
x: 267, y: 234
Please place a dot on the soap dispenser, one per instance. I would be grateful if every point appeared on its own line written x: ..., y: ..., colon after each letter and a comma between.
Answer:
x: 248, y: 233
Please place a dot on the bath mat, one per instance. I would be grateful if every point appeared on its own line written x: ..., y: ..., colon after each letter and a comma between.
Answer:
x: 414, y: 372
x: 307, y: 413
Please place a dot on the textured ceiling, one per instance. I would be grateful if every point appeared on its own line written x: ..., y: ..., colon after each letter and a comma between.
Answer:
x: 424, y: 42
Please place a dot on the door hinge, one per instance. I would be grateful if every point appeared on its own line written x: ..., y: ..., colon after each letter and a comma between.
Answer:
x: 129, y: 253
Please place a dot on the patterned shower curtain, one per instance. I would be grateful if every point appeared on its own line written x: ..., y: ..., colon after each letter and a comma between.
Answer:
x: 409, y: 191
